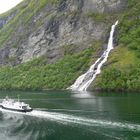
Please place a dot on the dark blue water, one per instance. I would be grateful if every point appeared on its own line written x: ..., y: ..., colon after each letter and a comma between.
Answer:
x: 64, y: 115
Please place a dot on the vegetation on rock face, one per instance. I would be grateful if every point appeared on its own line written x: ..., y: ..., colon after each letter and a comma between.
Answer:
x: 122, y: 71
x: 30, y: 16
x: 24, y: 12
x: 36, y: 74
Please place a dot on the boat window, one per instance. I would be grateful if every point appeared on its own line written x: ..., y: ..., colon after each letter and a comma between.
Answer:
x: 24, y: 107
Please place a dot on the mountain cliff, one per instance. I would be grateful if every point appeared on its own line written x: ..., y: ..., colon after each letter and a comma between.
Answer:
x: 47, y: 44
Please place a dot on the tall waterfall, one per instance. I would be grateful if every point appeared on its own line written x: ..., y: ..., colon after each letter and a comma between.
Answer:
x: 83, y: 81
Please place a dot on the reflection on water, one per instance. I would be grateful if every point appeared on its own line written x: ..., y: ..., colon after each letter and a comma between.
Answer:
x: 60, y: 115
x: 82, y: 94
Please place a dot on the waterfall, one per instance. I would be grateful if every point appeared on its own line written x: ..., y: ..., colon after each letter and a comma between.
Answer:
x: 83, y: 81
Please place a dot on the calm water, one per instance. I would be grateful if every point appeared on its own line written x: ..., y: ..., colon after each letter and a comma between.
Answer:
x: 63, y: 115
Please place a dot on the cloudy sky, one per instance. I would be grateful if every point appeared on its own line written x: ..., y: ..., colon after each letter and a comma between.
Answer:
x: 6, y: 5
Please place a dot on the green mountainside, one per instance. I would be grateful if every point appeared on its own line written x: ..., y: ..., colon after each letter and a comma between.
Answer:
x: 47, y: 44
x: 122, y: 71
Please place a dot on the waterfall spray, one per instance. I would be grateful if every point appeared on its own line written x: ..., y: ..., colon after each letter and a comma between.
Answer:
x: 83, y: 81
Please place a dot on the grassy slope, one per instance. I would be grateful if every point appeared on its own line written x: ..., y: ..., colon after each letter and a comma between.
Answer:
x: 122, y: 71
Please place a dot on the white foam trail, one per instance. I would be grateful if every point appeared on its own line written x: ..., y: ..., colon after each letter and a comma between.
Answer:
x: 70, y: 119
x: 83, y: 81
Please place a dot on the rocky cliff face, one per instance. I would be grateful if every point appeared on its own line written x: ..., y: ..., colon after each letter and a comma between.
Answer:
x: 104, y: 6
x: 4, y: 20
x: 53, y: 26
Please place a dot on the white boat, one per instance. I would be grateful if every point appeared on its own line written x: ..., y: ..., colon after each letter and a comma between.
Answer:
x: 10, y: 104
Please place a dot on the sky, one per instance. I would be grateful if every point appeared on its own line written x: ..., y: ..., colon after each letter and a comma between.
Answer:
x: 6, y: 5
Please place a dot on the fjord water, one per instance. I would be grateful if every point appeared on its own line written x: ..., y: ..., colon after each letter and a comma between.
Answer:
x: 65, y: 115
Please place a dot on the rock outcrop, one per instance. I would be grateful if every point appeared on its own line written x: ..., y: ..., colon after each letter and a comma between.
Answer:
x: 4, y: 20
x: 64, y: 23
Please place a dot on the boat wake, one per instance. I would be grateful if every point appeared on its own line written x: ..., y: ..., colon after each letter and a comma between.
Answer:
x: 68, y: 119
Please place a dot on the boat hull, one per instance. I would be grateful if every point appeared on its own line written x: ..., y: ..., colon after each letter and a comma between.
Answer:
x: 17, y: 110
